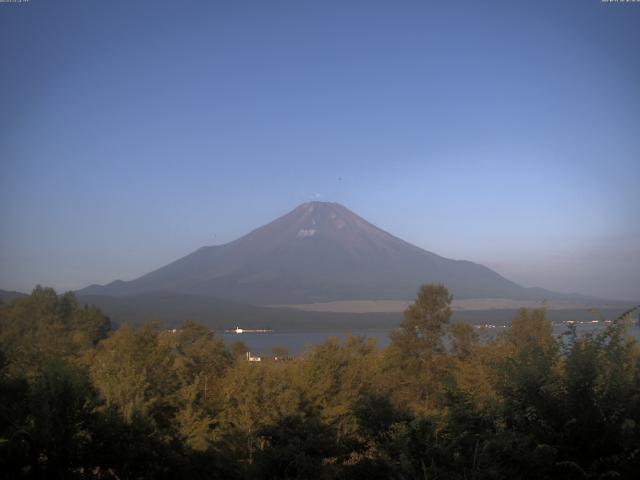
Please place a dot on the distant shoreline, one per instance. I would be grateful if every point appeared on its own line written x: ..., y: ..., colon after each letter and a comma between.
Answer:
x: 467, y: 304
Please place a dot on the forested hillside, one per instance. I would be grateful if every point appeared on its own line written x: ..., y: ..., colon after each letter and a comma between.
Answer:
x: 81, y: 400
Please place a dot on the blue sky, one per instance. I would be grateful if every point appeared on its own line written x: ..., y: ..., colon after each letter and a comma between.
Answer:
x: 503, y: 132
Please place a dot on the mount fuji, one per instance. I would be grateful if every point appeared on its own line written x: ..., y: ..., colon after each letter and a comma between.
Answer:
x: 318, y: 252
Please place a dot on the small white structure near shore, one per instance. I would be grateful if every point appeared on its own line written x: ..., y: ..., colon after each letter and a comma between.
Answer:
x: 253, y: 359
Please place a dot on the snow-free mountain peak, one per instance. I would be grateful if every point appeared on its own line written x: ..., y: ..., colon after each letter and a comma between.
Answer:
x: 318, y: 252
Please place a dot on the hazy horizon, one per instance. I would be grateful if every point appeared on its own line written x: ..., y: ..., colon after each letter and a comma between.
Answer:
x: 498, y: 132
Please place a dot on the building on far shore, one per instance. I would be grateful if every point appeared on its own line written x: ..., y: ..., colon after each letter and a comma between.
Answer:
x: 252, y: 358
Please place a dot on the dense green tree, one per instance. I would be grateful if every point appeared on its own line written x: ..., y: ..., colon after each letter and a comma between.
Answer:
x: 61, y: 405
x: 417, y: 358
x: 256, y: 394
x: 200, y: 361
x: 421, y: 332
x: 334, y: 375
x: 17, y: 450
x: 238, y: 349
x: 600, y: 405
x: 44, y: 326
x: 133, y: 372
x: 529, y: 329
x: 280, y: 351
x: 80, y: 401
x: 299, y: 446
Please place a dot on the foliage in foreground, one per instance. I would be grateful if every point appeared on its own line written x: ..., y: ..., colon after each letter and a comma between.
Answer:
x: 79, y: 400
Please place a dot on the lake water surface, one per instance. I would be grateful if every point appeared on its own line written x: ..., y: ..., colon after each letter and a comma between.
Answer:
x: 296, y: 342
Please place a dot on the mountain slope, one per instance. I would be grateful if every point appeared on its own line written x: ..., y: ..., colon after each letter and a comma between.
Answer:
x: 317, y: 252
x: 7, y: 296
